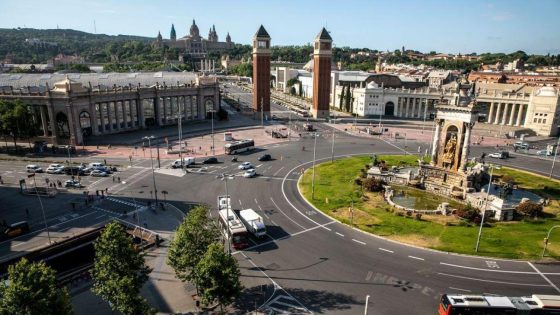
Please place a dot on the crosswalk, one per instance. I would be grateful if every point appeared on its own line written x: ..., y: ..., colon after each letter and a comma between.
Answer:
x: 126, y: 202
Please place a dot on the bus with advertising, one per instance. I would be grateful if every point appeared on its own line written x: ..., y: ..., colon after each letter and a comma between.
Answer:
x: 239, y: 146
x: 232, y: 228
x: 536, y: 304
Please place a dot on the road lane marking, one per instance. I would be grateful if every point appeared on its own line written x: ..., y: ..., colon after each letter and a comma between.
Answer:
x: 340, y: 234
x: 359, y: 242
x: 459, y: 289
x: 256, y: 201
x: 494, y: 281
x: 301, y: 226
x: 386, y: 250
x: 543, y: 276
x: 501, y: 271
x: 101, y: 216
x: 369, y: 274
x: 414, y: 257
x: 278, y: 171
x: 240, y: 203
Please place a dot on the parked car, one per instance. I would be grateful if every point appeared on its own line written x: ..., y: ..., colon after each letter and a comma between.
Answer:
x: 496, y: 155
x: 55, y: 170
x: 32, y: 168
x: 98, y: 173
x: 245, y: 166
x: 15, y: 229
x: 72, y: 183
x: 543, y: 152
x: 210, y: 160
x: 250, y: 173
x: 56, y: 165
x: 265, y: 157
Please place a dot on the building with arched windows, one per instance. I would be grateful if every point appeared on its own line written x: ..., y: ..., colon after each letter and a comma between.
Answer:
x: 69, y: 108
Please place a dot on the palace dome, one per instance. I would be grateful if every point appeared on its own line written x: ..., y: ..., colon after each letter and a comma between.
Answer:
x: 194, y: 29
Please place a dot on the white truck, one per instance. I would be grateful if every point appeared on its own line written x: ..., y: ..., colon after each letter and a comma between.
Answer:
x: 187, y: 161
x: 253, y: 222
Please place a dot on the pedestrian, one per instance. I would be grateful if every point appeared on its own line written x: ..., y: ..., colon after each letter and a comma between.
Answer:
x: 145, y: 224
x: 97, y: 193
x: 27, y: 212
x: 104, y: 162
x: 113, y: 178
x: 107, y: 190
x: 119, y: 179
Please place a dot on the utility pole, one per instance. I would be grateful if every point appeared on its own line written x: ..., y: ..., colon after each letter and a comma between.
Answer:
x: 153, y: 173
x: 332, y: 147
x: 213, y: 146
x: 180, y: 131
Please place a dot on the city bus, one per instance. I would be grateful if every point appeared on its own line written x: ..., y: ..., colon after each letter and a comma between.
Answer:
x: 232, y: 228
x: 239, y: 146
x: 459, y: 304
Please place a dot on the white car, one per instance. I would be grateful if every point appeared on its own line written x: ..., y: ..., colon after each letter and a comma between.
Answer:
x: 55, y: 170
x: 32, y: 168
x: 56, y: 166
x: 250, y: 173
x: 496, y: 155
x: 245, y: 166
x: 72, y: 183
x: 98, y: 173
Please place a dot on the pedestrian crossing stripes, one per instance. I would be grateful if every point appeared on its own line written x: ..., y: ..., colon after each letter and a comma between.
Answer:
x: 125, y: 202
x: 285, y: 304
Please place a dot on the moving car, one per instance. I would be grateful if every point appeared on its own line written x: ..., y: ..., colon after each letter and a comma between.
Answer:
x: 98, y: 173
x: 499, y: 155
x: 250, y: 173
x: 210, y: 160
x: 32, y: 168
x: 245, y: 166
x: 16, y: 229
x: 55, y: 170
x: 265, y: 157
x: 72, y: 183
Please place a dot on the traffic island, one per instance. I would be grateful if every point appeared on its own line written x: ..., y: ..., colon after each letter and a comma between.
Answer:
x: 338, y: 194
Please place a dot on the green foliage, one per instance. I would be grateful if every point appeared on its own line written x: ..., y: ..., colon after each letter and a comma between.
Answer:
x: 218, y: 276
x: 32, y: 289
x: 530, y: 209
x: 119, y: 271
x: 243, y: 69
x: 16, y: 120
x: 191, y: 241
x: 293, y: 90
x: 73, y: 67
x: 292, y: 81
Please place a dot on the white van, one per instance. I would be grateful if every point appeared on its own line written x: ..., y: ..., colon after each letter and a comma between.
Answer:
x: 96, y: 165
x: 187, y: 161
x: 32, y: 168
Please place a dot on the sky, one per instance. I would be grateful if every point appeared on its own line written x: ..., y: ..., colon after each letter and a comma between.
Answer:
x: 450, y: 26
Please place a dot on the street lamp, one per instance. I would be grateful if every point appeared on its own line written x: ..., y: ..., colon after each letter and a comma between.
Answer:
x: 484, y: 209
x: 69, y: 157
x: 332, y: 147
x: 212, y: 111
x: 313, y: 175
x: 554, y: 158
x: 225, y: 178
x: 547, y: 239
x: 42, y: 208
x: 180, y: 132
x: 152, y: 161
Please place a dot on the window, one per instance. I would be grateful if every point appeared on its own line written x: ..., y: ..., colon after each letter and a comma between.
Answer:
x: 535, y: 120
x: 262, y: 44
x: 540, y: 120
x: 544, y: 121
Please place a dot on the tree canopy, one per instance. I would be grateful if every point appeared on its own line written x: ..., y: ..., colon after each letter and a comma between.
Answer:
x: 31, y: 289
x: 119, y: 271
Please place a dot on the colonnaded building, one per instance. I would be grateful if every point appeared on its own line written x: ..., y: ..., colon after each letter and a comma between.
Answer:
x: 69, y: 108
x: 535, y: 108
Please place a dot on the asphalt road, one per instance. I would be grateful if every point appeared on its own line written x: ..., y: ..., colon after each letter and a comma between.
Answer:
x: 308, y: 262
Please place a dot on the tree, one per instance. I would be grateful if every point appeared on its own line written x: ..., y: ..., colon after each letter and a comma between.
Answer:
x: 218, y: 276
x: 341, y: 99
x: 32, y: 289
x: 372, y: 184
x: 530, y: 209
x: 192, y: 239
x: 293, y: 90
x: 300, y: 92
x: 348, y: 99
x: 119, y: 271
x: 16, y: 120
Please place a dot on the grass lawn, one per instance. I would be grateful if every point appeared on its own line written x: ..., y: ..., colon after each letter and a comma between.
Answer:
x: 335, y: 190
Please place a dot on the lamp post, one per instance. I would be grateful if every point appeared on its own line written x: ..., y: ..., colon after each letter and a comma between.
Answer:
x: 547, y: 239
x: 42, y: 208
x: 69, y: 157
x: 313, y: 175
x: 484, y: 209
x: 153, y: 173
x: 180, y: 132
x: 554, y: 158
x: 212, y: 111
x: 332, y: 147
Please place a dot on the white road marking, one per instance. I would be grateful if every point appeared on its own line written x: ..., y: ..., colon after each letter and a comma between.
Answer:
x: 493, y: 281
x: 369, y: 274
x: 101, y: 216
x: 543, y: 276
x: 414, y: 257
x: 278, y: 171
x: 502, y: 271
x: 258, y: 165
x: 301, y: 226
x: 240, y: 203
x: 386, y: 250
x: 359, y: 242
x: 492, y: 264
x: 340, y: 234
x: 256, y: 201
x: 459, y: 289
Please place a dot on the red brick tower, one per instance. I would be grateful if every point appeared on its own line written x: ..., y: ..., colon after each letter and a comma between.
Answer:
x: 322, y: 59
x: 261, y: 72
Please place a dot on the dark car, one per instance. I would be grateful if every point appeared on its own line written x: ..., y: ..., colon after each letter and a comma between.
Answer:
x: 15, y: 229
x: 210, y: 160
x: 265, y: 157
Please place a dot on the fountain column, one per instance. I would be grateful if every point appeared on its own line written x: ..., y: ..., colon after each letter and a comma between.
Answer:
x: 466, y: 145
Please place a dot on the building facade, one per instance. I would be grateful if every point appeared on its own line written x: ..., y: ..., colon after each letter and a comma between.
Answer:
x: 193, y: 44
x: 68, y: 109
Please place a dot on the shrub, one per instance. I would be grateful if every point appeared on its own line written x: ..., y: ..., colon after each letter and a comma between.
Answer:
x: 358, y: 181
x: 372, y: 184
x: 409, y: 213
x: 530, y: 209
x: 419, y: 216
x: 468, y: 213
